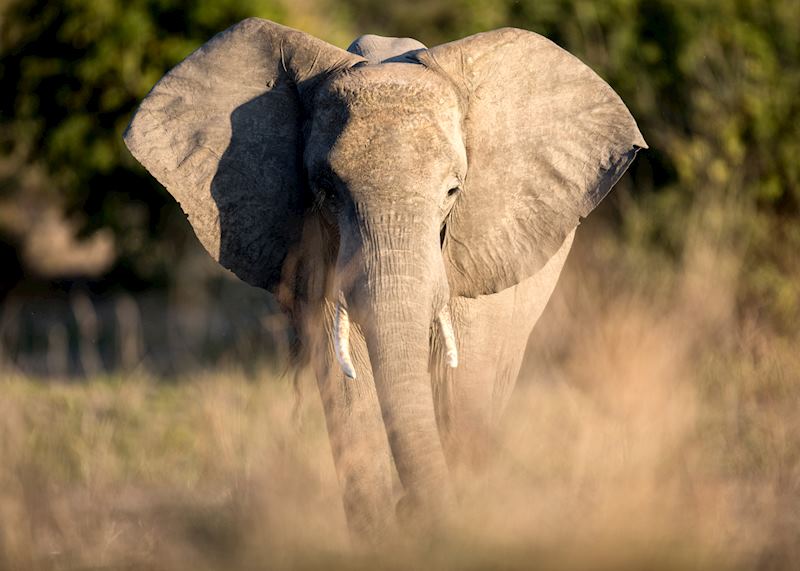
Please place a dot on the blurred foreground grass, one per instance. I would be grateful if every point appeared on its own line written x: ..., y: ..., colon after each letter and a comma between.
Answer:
x: 642, y: 435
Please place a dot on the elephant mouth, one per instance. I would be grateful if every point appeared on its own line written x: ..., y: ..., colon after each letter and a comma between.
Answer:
x: 341, y: 337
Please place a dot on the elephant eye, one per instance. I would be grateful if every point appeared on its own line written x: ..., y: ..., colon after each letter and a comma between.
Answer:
x: 325, y: 189
x: 325, y: 196
x: 453, y: 191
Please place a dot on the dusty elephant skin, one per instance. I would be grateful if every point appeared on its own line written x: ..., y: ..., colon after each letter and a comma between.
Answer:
x: 410, y: 208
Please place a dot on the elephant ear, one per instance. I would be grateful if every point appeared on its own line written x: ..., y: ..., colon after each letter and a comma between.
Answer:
x: 546, y: 140
x: 222, y: 132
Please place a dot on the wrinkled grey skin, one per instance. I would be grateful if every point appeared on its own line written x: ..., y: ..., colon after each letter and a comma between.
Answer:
x: 397, y: 180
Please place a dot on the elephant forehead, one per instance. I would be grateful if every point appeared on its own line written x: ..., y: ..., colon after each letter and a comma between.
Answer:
x: 387, y: 146
x: 389, y: 85
x: 388, y: 117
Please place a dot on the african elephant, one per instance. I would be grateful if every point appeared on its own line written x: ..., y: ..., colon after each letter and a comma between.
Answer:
x: 410, y: 208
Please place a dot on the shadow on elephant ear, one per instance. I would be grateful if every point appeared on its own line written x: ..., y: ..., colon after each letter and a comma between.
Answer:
x: 270, y: 234
x: 258, y: 189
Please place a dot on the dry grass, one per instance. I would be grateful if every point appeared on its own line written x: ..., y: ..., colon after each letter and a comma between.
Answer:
x: 642, y: 435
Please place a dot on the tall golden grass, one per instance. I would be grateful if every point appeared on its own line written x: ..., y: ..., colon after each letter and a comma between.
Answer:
x: 655, y: 426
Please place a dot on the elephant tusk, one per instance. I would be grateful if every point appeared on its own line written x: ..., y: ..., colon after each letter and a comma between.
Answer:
x: 446, y: 325
x: 341, y: 339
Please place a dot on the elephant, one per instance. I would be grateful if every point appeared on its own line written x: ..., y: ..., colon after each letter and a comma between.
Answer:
x: 411, y: 210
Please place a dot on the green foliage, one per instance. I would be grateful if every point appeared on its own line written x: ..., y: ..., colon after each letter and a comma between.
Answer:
x: 712, y: 84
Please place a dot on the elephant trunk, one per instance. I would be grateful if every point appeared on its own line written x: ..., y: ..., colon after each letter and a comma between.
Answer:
x: 402, y: 293
x: 398, y: 341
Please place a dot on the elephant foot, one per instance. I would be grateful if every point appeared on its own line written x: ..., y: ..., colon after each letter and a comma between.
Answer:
x: 415, y: 512
x: 406, y: 512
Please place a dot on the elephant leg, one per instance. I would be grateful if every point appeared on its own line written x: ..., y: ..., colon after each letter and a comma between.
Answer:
x: 489, y: 361
x: 492, y: 333
x: 357, y: 435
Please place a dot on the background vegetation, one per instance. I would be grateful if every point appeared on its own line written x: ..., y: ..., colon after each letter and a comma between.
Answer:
x: 143, y: 420
x: 712, y: 84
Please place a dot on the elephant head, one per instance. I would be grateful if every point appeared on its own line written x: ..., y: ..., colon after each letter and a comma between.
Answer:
x: 452, y: 171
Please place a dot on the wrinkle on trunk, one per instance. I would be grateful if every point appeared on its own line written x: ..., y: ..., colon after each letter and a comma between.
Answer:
x: 398, y: 344
x: 402, y: 295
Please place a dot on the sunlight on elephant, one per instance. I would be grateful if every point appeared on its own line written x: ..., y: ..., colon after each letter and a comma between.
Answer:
x: 410, y: 208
